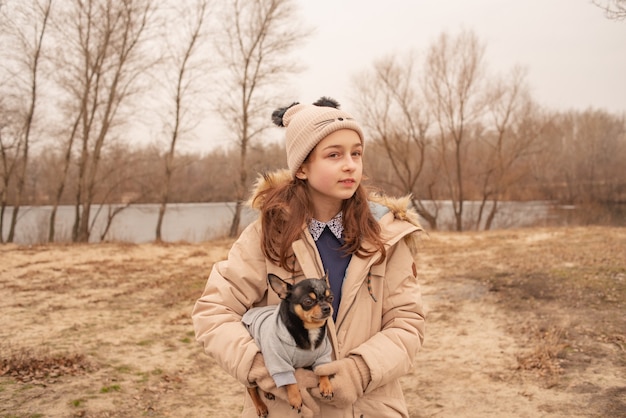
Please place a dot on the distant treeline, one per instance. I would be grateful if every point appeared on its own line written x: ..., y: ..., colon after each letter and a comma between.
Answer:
x: 579, y: 159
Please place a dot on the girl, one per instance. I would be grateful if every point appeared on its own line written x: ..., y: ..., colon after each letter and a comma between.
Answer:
x: 318, y: 218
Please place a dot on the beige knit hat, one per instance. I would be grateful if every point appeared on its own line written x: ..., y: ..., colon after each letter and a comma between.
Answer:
x: 307, y: 125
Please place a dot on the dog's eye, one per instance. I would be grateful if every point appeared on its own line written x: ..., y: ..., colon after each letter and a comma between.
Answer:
x: 330, y: 299
x: 308, y: 302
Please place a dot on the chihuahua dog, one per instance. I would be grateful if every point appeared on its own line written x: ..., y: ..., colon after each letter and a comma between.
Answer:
x: 292, y: 335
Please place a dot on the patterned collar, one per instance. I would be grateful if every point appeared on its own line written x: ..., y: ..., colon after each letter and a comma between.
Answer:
x: 335, y: 225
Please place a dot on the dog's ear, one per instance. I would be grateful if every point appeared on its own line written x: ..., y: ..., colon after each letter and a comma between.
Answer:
x: 325, y: 278
x: 281, y: 287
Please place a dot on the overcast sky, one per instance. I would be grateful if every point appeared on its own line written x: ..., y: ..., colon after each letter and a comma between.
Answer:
x: 575, y: 56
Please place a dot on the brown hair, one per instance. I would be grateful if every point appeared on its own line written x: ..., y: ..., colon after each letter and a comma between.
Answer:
x: 286, y: 207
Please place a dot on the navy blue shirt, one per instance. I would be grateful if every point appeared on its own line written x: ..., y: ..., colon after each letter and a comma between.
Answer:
x: 328, y: 238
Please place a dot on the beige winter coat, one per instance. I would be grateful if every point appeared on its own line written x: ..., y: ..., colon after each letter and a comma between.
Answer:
x: 383, y: 324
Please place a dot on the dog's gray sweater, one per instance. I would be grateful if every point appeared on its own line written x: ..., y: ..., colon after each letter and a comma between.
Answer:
x: 280, y: 352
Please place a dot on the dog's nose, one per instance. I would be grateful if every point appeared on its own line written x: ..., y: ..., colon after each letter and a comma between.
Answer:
x: 325, y: 309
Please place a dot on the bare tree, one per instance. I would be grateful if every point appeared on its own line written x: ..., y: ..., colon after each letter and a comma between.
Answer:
x: 454, y: 85
x: 10, y: 150
x: 613, y: 9
x: 63, y: 175
x: 29, y: 24
x: 392, y: 107
x: 513, y: 125
x: 258, y: 35
x: 103, y: 61
x: 9, y: 138
x: 191, y: 22
x: 591, y: 149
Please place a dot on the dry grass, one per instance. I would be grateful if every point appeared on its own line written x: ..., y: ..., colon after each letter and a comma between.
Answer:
x: 520, y: 323
x: 40, y: 367
x: 546, y: 355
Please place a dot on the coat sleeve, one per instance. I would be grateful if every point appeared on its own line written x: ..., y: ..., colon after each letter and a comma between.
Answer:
x: 233, y: 286
x: 390, y: 352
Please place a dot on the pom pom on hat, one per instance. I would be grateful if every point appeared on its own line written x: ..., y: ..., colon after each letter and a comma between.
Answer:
x: 307, y: 125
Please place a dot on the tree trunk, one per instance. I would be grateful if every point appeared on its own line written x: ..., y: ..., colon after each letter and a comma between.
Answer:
x: 234, y: 226
x: 162, y: 208
x: 492, y: 215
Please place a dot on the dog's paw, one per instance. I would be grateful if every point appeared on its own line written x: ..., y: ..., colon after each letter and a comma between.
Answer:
x: 261, y: 411
x: 327, y: 395
x: 294, y: 397
x: 326, y: 389
x: 297, y: 408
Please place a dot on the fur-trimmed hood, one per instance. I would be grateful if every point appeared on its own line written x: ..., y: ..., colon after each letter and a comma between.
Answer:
x: 380, y: 204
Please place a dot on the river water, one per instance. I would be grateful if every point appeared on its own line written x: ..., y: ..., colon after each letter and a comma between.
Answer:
x: 197, y: 222
x: 192, y: 222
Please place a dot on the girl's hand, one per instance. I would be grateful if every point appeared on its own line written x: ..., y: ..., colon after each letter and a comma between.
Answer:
x: 349, y: 377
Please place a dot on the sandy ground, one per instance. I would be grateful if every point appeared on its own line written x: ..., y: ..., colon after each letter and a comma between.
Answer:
x: 520, y: 323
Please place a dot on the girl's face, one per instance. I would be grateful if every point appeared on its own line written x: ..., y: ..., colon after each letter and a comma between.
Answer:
x: 333, y: 172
